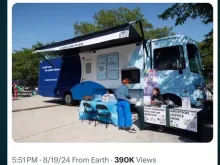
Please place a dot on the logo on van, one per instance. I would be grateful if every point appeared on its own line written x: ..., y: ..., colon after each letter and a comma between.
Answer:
x: 124, y: 34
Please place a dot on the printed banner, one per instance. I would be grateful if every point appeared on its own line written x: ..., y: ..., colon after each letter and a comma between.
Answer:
x: 183, y: 119
x: 155, y: 115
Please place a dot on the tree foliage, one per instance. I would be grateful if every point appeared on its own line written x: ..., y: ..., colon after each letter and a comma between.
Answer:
x: 181, y: 12
x: 207, y: 51
x: 113, y: 17
x: 25, y: 64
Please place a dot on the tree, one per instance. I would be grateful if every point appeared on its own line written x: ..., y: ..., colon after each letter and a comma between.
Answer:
x: 25, y: 64
x: 113, y: 17
x: 181, y: 12
x: 207, y: 59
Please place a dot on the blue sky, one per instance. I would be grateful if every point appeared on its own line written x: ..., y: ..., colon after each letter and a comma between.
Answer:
x: 54, y: 22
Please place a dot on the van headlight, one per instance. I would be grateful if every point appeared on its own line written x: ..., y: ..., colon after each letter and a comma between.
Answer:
x: 199, y: 102
x: 198, y: 97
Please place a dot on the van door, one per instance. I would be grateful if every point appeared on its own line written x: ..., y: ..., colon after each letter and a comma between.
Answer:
x: 170, y: 65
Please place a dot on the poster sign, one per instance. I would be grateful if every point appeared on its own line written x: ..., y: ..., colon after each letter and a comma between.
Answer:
x: 183, y: 119
x: 155, y: 115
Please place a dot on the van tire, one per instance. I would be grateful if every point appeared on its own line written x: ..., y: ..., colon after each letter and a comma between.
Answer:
x: 67, y: 99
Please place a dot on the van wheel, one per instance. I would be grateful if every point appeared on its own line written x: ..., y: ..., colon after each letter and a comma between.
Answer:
x: 68, y: 100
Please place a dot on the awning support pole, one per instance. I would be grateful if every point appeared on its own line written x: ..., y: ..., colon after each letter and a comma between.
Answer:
x: 46, y: 60
x: 142, y: 33
x: 144, y: 41
x: 151, y: 66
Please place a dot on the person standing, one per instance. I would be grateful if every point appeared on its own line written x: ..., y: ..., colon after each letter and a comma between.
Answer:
x: 15, y: 88
x: 123, y: 107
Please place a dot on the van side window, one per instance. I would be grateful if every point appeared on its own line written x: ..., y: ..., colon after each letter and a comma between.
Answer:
x: 169, y: 58
x: 194, y: 58
x: 113, y: 65
x: 102, y: 67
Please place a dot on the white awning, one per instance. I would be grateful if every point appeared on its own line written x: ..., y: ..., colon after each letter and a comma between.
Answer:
x: 115, y: 36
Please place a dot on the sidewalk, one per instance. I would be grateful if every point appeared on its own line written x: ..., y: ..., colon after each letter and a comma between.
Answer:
x: 61, y: 124
x: 34, y: 102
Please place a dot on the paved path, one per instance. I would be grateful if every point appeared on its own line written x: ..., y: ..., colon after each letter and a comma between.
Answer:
x: 34, y: 102
x: 61, y: 124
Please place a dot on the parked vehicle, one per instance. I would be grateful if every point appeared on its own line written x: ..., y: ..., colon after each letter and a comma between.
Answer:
x: 89, y: 65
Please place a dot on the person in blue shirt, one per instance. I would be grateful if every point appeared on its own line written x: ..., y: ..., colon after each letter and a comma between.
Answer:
x: 123, y: 107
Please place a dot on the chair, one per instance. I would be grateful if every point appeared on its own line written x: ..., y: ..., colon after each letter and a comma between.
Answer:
x: 102, y: 111
x: 88, y: 110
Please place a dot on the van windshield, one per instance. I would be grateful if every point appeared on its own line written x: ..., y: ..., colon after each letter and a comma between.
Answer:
x: 169, y: 58
x: 194, y: 59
